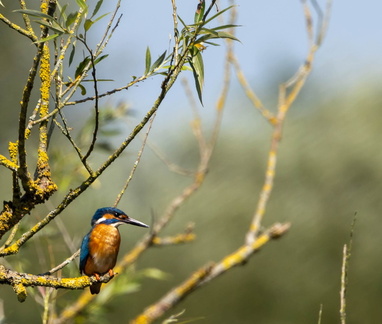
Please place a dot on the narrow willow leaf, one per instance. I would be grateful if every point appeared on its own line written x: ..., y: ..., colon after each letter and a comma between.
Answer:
x: 62, y: 12
x: 82, y: 66
x: 225, y: 27
x: 71, y: 18
x: 148, y: 60
x: 218, y: 14
x: 97, y: 7
x: 82, y: 4
x: 34, y: 13
x: 159, y: 61
x: 199, y: 13
x: 100, y: 17
x: 71, y: 56
x: 53, y: 26
x: 183, y: 23
x: 218, y: 35
x: 101, y: 58
x: 183, y: 68
x: 211, y: 43
x: 197, y: 66
x: 47, y: 38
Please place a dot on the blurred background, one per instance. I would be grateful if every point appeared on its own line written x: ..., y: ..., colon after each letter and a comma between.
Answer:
x: 329, y: 168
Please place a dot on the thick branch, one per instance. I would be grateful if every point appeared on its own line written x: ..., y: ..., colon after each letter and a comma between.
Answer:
x: 21, y: 280
x: 208, y: 273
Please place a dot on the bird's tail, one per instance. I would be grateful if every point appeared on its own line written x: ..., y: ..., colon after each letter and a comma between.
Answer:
x: 95, y: 288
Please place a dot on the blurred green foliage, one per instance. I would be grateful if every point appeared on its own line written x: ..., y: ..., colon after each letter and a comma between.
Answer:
x: 329, y: 168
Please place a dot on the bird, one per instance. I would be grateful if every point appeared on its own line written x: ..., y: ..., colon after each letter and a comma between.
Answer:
x: 99, y: 248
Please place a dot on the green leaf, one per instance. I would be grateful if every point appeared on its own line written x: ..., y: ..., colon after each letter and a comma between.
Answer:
x: 71, y: 56
x: 53, y: 26
x: 62, y: 11
x: 71, y: 19
x: 88, y: 23
x: 83, y: 89
x: 97, y: 7
x: 34, y: 13
x: 101, y: 58
x: 197, y: 66
x: 183, y: 23
x: 199, y: 13
x: 218, y: 14
x: 183, y: 68
x: 82, y: 4
x: 225, y: 27
x: 82, y: 66
x: 211, y: 43
x: 100, y: 17
x: 159, y: 61
x: 148, y: 60
x: 47, y: 38
x: 216, y: 35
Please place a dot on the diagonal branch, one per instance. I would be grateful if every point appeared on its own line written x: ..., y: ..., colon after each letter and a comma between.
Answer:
x: 207, y: 273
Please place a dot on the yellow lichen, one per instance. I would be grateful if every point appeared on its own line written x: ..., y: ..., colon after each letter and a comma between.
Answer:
x: 20, y: 291
x: 13, y: 150
x: 44, y: 6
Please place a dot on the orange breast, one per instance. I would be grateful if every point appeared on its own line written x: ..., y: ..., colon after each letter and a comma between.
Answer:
x: 103, y: 249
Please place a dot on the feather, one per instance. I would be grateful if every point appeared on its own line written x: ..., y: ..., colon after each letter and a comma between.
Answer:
x: 84, y: 254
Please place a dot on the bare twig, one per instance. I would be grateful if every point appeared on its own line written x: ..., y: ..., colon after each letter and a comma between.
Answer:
x: 134, y: 168
x: 320, y: 314
x: 62, y: 265
x: 255, y: 100
x: 176, y: 32
x: 345, y: 257
x: 288, y: 93
x: 96, y: 108
x: 346, y: 253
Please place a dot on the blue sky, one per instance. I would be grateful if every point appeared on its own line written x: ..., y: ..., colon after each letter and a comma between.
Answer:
x: 272, y: 35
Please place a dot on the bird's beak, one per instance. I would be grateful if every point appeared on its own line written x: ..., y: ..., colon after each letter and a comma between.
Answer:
x: 135, y: 222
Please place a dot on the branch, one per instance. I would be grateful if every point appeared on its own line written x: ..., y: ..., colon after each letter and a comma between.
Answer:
x: 21, y: 280
x: 202, y: 276
x: 135, y: 164
x: 185, y: 237
x: 167, y: 84
x: 288, y: 93
x: 22, y: 31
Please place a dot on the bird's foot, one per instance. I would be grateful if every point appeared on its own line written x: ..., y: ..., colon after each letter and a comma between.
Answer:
x: 97, y: 276
x: 111, y: 273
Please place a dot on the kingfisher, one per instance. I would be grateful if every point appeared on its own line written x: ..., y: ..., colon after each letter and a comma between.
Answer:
x: 99, y: 248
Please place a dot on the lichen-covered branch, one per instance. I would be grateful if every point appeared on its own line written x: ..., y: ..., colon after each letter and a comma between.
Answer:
x: 208, y: 273
x: 21, y: 280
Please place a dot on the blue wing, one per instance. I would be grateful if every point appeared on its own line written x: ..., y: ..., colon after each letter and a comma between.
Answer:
x: 84, y: 254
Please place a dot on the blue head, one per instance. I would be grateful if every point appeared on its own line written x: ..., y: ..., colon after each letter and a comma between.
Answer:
x: 113, y: 216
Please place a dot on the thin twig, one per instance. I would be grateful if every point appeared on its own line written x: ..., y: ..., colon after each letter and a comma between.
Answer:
x: 176, y: 32
x: 134, y: 168
x: 320, y: 314
x: 346, y: 253
x: 96, y: 108
x: 345, y: 256
x: 255, y: 100
x: 288, y: 93
x: 62, y: 265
